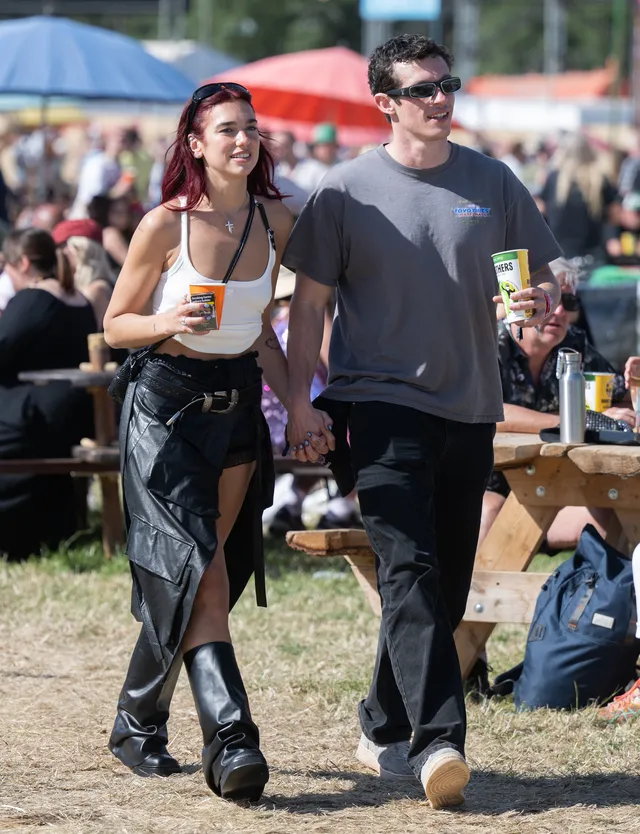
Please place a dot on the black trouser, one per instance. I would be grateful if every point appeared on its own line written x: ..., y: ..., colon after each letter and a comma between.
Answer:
x: 420, y: 483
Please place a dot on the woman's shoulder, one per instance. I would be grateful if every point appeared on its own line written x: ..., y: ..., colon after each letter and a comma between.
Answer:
x: 162, y: 222
x: 280, y: 216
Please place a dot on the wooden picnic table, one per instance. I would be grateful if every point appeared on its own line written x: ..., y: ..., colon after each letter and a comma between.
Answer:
x: 100, y: 454
x: 544, y: 478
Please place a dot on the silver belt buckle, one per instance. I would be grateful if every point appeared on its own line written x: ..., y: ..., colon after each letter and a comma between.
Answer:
x: 233, y: 396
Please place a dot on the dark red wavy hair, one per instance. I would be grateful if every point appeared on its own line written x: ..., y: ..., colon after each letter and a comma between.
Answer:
x: 185, y: 175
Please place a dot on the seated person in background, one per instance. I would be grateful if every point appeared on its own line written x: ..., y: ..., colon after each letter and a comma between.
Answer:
x: 115, y: 217
x: 80, y: 242
x: 14, y: 266
x: 45, y: 325
x: 531, y: 399
x: 623, y: 239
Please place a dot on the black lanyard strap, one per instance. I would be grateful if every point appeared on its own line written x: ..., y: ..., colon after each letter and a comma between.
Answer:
x: 243, y: 240
x: 265, y: 220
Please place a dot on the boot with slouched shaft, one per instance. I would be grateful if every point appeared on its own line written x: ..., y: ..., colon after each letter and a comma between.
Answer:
x: 234, y: 768
x: 139, y: 736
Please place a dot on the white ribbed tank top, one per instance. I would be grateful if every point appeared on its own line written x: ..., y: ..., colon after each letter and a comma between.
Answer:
x: 244, y: 304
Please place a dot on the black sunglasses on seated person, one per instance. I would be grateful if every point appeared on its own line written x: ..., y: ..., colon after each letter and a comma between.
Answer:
x: 427, y: 89
x: 208, y: 90
x: 570, y: 302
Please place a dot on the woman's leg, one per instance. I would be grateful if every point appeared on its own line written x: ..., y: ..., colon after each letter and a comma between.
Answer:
x: 233, y: 765
x: 209, y: 620
x: 139, y: 737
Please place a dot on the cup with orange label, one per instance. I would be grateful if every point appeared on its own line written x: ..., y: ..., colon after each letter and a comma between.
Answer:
x: 212, y: 295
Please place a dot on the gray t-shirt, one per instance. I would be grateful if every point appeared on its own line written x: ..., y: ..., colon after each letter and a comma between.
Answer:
x: 409, y: 251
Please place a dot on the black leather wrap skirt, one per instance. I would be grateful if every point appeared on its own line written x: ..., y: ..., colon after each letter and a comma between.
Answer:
x: 183, y: 421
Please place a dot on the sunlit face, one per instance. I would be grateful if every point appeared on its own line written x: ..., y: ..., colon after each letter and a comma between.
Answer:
x: 230, y: 143
x: 326, y: 152
x: 430, y: 119
x: 555, y: 328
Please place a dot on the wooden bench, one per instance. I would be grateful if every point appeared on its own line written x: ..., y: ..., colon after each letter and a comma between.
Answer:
x: 495, y: 596
x: 54, y: 466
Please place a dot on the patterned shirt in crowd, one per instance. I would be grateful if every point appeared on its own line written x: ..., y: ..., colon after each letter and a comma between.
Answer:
x: 518, y: 387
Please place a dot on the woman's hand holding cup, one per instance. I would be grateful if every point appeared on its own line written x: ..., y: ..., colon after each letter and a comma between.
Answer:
x: 184, y: 317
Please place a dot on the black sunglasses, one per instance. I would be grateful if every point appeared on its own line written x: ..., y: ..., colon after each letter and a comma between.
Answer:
x: 427, y: 89
x: 570, y: 302
x: 209, y: 90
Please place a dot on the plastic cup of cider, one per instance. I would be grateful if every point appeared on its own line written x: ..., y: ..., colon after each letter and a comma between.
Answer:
x: 512, y: 272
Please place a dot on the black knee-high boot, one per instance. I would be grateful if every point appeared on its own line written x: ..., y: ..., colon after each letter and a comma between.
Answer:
x: 233, y: 765
x: 139, y: 736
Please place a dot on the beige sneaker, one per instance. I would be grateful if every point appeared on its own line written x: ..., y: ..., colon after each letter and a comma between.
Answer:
x: 388, y: 761
x: 443, y: 777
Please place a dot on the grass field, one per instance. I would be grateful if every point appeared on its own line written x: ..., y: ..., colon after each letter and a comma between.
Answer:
x: 65, y: 639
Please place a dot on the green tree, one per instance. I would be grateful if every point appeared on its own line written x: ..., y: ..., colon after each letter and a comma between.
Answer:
x: 512, y: 35
x: 252, y: 29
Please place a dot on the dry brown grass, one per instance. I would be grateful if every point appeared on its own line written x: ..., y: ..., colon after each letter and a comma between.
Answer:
x: 65, y: 641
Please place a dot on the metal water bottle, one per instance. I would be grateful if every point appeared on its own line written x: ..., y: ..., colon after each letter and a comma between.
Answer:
x: 573, y: 412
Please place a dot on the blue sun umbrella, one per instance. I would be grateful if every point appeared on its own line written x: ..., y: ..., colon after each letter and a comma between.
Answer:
x: 53, y: 56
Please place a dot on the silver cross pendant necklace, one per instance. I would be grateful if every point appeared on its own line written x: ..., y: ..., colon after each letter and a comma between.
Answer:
x: 230, y: 224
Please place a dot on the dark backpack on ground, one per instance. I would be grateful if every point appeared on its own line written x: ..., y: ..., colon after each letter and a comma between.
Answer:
x: 581, y: 646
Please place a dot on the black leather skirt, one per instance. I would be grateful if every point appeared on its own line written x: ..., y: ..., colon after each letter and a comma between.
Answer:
x: 183, y: 422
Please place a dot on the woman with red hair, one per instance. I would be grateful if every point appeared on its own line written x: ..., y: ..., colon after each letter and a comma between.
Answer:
x: 197, y: 467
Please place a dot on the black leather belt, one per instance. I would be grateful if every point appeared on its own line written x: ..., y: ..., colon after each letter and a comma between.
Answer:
x: 216, y: 402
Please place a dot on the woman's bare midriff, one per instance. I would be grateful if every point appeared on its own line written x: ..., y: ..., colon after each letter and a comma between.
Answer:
x: 173, y: 348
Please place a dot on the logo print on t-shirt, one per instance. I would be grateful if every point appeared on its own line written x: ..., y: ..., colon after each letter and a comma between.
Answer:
x: 469, y: 209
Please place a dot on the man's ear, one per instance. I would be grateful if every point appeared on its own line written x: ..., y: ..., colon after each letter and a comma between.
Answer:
x: 385, y: 104
x: 195, y: 146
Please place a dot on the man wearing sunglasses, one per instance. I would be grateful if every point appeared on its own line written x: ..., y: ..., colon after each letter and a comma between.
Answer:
x: 404, y: 235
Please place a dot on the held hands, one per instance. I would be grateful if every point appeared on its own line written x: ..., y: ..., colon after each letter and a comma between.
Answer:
x: 310, y: 433
x: 531, y: 298
x: 184, y: 317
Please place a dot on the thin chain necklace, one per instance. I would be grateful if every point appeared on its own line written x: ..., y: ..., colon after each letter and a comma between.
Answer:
x: 229, y: 218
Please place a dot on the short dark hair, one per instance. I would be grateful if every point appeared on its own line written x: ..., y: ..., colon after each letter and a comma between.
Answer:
x: 98, y: 209
x: 35, y: 244
x: 402, y: 49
